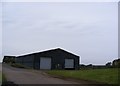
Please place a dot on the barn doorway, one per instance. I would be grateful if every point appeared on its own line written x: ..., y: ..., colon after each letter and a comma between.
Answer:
x: 45, y: 63
x: 69, y: 63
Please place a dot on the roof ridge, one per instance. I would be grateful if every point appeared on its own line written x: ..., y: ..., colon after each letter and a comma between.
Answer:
x: 48, y: 51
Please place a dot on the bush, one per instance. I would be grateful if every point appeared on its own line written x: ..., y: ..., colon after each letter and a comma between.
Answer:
x: 18, y: 65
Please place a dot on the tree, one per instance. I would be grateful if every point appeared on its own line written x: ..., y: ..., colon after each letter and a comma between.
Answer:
x: 108, y: 64
x: 90, y: 65
x: 116, y: 63
x: 9, y: 59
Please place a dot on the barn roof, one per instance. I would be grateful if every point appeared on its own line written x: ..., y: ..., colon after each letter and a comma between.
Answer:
x: 56, y: 49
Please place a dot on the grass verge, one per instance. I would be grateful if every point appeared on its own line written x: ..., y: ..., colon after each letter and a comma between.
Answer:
x: 0, y: 77
x: 108, y: 76
x: 3, y: 78
x: 19, y: 65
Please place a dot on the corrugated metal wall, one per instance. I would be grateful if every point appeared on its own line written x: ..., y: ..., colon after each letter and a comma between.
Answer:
x: 58, y: 57
x: 27, y: 60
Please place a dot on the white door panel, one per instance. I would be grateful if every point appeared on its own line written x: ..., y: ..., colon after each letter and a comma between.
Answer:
x: 69, y: 63
x: 45, y: 63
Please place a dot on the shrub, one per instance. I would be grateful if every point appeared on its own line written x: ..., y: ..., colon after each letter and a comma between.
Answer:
x: 18, y: 65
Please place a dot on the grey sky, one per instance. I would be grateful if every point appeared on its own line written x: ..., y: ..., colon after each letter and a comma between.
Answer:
x: 89, y: 30
x: 119, y: 30
x: 0, y: 31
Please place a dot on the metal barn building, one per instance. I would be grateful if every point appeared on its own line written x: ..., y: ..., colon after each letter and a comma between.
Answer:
x: 51, y: 59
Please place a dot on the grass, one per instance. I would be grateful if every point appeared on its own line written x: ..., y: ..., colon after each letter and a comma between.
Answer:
x: 0, y: 77
x: 108, y: 76
x: 19, y: 65
x: 3, y: 78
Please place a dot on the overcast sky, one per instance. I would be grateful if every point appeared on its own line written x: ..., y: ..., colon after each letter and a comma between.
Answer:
x: 87, y: 29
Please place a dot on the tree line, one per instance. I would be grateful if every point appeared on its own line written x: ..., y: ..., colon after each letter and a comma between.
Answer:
x: 114, y: 64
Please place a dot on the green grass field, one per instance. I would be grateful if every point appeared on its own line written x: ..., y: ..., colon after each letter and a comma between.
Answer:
x: 108, y: 76
x: 0, y: 77
x: 3, y: 78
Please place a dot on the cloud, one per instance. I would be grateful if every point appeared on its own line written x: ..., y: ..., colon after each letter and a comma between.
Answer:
x: 0, y: 32
x: 88, y: 29
x: 60, y: 0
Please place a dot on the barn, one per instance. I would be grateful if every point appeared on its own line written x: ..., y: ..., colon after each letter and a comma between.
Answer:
x: 50, y: 59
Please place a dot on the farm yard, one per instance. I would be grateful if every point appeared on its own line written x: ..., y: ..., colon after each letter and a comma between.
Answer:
x: 107, y: 76
x: 87, y: 74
